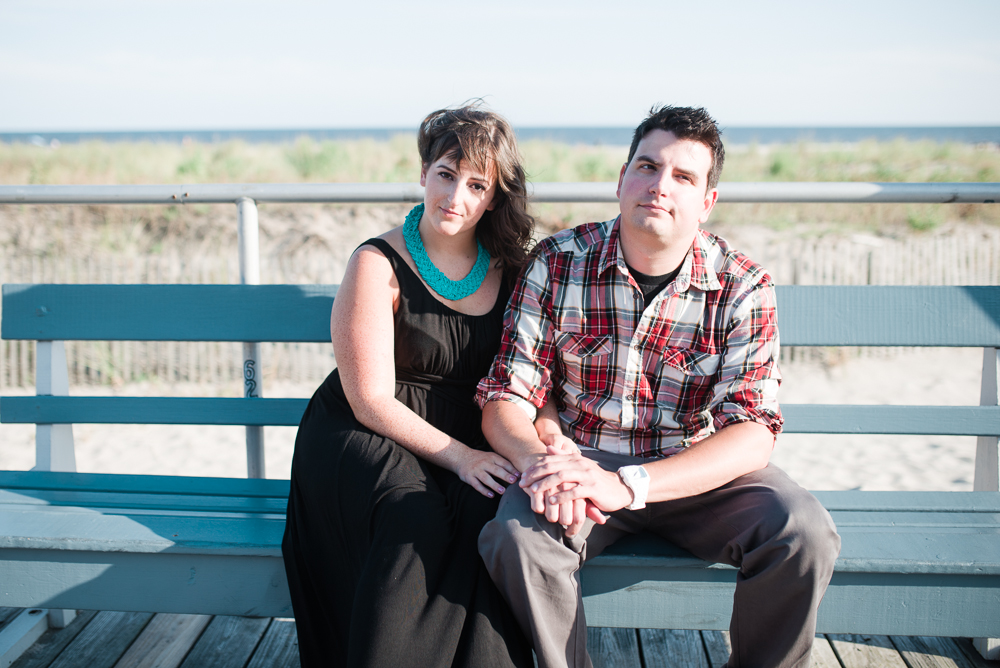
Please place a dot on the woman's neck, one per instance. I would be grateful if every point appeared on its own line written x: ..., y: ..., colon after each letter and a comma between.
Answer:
x: 439, y: 245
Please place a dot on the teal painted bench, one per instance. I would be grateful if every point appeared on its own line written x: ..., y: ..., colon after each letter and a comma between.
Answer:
x: 913, y: 563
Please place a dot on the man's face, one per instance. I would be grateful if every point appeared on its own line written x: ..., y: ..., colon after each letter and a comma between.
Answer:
x: 662, y: 191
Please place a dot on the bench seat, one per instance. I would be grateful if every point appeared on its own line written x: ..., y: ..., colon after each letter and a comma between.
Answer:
x: 917, y: 563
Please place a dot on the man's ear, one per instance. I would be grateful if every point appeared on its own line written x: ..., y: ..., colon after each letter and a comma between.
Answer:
x: 621, y: 175
x: 711, y: 197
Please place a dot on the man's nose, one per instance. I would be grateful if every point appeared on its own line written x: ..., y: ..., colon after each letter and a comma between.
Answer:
x: 661, y: 184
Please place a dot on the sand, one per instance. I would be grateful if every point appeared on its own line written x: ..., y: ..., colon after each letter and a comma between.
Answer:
x: 923, y: 377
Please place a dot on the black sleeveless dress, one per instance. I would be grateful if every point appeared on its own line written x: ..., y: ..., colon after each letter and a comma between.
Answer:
x: 380, y: 545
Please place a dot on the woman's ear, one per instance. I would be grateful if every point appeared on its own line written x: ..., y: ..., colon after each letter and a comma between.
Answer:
x: 423, y: 174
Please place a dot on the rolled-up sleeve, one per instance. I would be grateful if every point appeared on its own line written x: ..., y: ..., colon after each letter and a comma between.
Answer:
x: 521, y: 370
x: 748, y: 386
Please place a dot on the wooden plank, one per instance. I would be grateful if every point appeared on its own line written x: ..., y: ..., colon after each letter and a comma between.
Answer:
x: 613, y: 648
x: 145, y: 484
x: 53, y: 642
x: 866, y: 651
x: 717, y: 647
x: 662, y: 648
x: 183, y: 583
x: 228, y: 642
x: 823, y: 655
x: 164, y: 642
x: 800, y: 418
x: 279, y: 648
x: 931, y: 652
x: 152, y: 410
x: 104, y: 640
x: 168, y: 312
x: 880, y: 419
x: 856, y: 315
x: 987, y: 502
x: 850, y: 315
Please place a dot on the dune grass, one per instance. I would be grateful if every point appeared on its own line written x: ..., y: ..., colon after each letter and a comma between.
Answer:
x: 395, y: 160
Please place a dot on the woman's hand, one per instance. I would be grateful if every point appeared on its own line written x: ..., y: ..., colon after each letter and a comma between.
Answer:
x: 482, y: 470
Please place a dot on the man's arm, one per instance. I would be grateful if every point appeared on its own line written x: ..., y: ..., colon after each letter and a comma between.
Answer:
x: 734, y: 451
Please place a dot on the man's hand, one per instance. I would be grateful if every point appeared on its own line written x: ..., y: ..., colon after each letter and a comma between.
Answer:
x: 559, y: 479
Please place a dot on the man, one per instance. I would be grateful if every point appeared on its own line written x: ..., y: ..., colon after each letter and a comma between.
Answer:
x: 658, y: 345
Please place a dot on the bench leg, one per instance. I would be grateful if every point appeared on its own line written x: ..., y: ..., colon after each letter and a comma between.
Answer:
x: 21, y: 633
x: 987, y: 478
x: 60, y: 619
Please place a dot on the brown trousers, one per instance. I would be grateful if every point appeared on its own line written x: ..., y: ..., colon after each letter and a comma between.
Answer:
x: 779, y: 536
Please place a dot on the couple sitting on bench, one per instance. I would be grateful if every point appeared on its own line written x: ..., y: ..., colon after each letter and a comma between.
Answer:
x: 629, y: 386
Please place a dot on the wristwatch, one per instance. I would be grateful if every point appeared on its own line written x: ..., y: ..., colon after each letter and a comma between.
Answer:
x: 636, y: 479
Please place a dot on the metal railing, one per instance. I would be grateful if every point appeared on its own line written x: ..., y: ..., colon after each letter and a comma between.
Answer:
x: 246, y: 195
x: 730, y: 192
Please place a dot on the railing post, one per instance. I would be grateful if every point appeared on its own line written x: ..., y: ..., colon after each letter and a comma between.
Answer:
x: 54, y: 449
x: 248, y: 238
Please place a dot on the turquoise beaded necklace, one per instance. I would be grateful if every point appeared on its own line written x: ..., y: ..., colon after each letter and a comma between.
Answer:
x: 441, y: 284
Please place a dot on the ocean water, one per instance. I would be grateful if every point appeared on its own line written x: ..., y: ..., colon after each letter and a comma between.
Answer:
x: 593, y: 136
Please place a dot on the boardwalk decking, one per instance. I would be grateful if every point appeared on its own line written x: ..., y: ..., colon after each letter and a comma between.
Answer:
x: 144, y: 640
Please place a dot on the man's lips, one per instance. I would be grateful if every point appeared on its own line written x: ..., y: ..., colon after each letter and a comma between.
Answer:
x: 654, y: 207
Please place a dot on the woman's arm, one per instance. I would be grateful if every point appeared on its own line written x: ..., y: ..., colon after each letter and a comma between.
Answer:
x: 361, y: 328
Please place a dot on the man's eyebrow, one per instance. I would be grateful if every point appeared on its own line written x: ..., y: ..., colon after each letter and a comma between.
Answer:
x: 692, y: 174
x: 646, y: 158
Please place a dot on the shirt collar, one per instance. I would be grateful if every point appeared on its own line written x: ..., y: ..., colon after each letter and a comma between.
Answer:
x: 697, y: 268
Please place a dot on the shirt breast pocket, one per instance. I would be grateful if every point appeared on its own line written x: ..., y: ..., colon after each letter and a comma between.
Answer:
x: 585, y: 359
x: 682, y: 370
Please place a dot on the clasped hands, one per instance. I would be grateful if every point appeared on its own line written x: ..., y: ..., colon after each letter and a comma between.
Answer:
x: 568, y: 488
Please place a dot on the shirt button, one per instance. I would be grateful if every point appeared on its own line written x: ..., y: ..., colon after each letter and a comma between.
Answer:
x: 635, y: 346
x: 629, y: 397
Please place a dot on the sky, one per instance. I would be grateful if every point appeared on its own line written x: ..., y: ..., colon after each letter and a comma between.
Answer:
x: 180, y: 65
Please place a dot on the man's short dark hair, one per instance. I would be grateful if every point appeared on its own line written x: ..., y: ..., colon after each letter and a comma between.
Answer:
x: 686, y: 123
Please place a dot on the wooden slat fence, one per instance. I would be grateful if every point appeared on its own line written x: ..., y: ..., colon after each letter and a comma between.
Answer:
x: 961, y: 258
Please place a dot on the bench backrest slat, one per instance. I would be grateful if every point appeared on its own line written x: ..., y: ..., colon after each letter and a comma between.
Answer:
x: 808, y: 315
x: 168, y: 312
x: 799, y: 418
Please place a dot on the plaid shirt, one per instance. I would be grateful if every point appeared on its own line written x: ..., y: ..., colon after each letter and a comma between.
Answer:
x: 649, y: 382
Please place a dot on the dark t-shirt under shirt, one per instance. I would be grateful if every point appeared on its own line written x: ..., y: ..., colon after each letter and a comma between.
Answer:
x: 651, y: 285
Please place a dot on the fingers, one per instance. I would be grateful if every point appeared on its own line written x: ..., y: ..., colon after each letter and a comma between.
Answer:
x: 510, y: 471
x: 566, y: 514
x: 501, y: 473
x: 579, y: 517
x: 594, y: 513
x: 481, y: 488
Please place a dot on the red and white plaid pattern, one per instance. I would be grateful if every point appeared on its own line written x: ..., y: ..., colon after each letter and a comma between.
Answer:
x: 702, y: 356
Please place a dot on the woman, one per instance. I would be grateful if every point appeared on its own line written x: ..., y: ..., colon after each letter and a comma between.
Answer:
x: 392, y: 479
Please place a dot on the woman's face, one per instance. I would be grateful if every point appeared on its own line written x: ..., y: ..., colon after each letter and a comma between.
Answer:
x: 455, y: 197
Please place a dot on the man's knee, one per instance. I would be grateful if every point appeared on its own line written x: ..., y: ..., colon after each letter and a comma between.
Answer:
x: 797, y: 521
x: 520, y: 536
